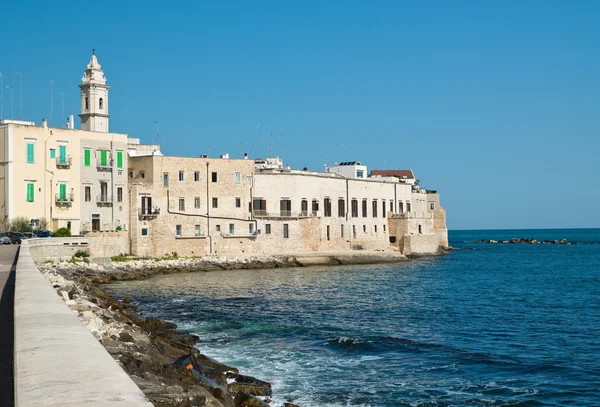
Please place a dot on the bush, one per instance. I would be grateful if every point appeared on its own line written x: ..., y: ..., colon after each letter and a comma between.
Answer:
x: 120, y: 257
x: 82, y: 253
x: 62, y: 232
x: 20, y: 224
x: 119, y: 228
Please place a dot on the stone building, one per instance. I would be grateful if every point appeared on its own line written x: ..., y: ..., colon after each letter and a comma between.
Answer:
x: 72, y: 178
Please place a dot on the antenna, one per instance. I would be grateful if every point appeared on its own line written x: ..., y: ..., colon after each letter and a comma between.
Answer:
x: 51, y: 99
x: 20, y: 94
x: 259, y: 139
x: 270, y: 134
x: 1, y: 95
x: 11, y: 101
x: 62, y: 97
x: 157, y: 131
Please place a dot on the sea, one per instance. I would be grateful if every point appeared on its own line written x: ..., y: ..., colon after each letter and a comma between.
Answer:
x: 485, y: 325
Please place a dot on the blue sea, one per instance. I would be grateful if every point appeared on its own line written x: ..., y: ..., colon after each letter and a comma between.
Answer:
x: 485, y: 325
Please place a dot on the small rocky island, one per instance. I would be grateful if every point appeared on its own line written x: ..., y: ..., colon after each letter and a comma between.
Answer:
x: 160, y: 359
x: 525, y: 240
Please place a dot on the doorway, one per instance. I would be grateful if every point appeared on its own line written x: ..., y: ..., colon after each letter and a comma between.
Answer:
x: 95, y: 223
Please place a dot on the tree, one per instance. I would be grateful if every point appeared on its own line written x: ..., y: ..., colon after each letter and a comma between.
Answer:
x: 20, y: 224
x: 62, y: 232
x: 43, y: 223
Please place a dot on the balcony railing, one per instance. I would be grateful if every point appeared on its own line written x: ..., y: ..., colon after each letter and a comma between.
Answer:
x: 260, y: 213
x: 148, y: 213
x: 106, y: 165
x: 64, y: 200
x: 63, y: 162
x: 104, y: 199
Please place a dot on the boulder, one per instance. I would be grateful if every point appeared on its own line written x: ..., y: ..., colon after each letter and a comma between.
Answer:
x: 248, y: 384
x: 243, y: 399
x: 288, y: 404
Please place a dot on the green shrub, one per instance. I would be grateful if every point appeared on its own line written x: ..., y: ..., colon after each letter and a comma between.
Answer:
x: 62, y: 232
x: 120, y: 257
x: 82, y: 253
x: 119, y: 228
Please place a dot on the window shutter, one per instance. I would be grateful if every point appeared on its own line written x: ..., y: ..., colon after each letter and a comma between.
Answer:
x: 86, y: 157
x: 52, y: 153
x: 103, y: 158
x: 30, y: 192
x: 62, y: 154
x: 119, y: 159
x: 30, y: 153
x: 63, y: 192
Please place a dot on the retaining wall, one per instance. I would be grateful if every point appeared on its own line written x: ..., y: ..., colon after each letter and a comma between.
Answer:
x: 58, y: 362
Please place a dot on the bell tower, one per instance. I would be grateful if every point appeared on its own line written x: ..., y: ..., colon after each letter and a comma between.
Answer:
x: 94, y: 97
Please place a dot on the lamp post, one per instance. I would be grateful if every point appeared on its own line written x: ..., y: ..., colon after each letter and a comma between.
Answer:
x: 1, y: 95
x: 20, y: 94
x: 11, y: 101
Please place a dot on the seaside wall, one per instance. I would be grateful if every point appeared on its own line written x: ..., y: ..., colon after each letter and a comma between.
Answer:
x: 58, y: 361
x: 100, y: 245
x: 421, y: 244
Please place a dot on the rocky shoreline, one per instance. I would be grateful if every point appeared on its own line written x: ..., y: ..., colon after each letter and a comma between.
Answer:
x: 160, y: 359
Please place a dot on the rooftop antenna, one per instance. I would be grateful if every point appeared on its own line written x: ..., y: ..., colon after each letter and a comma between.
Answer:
x: 1, y: 96
x: 20, y: 94
x: 11, y: 101
x: 259, y: 139
x: 209, y: 150
x: 51, y: 99
x: 62, y: 104
x: 270, y: 134
x: 157, y: 131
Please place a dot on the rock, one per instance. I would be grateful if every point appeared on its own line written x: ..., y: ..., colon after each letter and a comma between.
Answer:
x: 127, y: 300
x: 564, y: 241
x: 66, y: 291
x: 248, y: 384
x: 126, y: 337
x: 243, y: 399
x: 533, y: 241
x: 288, y: 404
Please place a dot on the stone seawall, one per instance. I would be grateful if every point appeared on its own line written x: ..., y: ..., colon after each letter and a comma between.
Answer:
x: 58, y: 361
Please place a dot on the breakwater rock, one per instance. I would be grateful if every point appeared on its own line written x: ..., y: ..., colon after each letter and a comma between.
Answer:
x: 525, y: 240
x: 161, y: 359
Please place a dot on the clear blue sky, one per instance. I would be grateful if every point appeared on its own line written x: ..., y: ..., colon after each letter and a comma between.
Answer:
x: 494, y: 104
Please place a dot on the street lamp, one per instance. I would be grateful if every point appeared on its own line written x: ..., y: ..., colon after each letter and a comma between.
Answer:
x: 11, y: 101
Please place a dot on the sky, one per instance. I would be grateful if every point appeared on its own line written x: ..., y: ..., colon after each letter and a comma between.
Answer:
x: 496, y: 105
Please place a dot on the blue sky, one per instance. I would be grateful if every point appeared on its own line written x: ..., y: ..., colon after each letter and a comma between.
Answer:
x: 494, y: 104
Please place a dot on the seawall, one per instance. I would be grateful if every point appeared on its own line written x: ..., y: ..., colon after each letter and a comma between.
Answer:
x: 57, y: 360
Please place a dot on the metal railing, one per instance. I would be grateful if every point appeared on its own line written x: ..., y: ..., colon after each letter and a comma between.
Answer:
x: 148, y: 212
x: 66, y: 200
x: 107, y: 165
x: 260, y: 213
x: 104, y: 199
x: 64, y: 162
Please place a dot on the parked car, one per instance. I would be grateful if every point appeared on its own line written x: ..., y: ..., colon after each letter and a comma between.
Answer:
x: 4, y: 239
x: 16, y: 237
x: 43, y: 233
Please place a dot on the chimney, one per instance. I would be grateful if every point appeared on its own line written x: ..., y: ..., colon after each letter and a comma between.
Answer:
x: 71, y: 122
x: 245, y: 156
x: 44, y: 123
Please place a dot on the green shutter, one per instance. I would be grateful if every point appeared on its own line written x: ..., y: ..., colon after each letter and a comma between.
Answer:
x: 119, y: 159
x: 52, y: 153
x: 103, y: 158
x: 30, y: 153
x: 63, y: 192
x: 86, y: 157
x: 62, y: 154
x: 30, y: 192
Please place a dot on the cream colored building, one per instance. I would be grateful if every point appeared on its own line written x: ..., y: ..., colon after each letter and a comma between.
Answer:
x: 72, y: 178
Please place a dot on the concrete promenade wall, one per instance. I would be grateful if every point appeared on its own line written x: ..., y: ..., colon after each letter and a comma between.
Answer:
x: 100, y: 245
x: 58, y: 362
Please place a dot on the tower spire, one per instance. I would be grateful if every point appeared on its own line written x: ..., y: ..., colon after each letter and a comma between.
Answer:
x: 94, y: 97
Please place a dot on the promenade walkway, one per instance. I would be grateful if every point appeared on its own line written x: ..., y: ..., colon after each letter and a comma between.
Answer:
x: 8, y: 255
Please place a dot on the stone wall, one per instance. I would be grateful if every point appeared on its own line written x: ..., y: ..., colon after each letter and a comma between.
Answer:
x: 421, y: 244
x: 100, y: 245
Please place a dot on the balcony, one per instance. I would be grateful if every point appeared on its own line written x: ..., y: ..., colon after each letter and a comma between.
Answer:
x: 104, y: 199
x: 260, y: 213
x: 105, y: 165
x: 64, y: 162
x: 65, y: 200
x: 148, y: 213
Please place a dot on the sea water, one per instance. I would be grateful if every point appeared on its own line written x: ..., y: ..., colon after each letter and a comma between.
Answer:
x: 485, y: 325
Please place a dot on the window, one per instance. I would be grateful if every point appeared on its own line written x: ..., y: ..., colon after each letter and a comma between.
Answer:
x: 364, y: 208
x: 285, y: 207
x: 177, y: 230
x: 391, y: 206
x: 196, y: 176
x: 249, y: 182
x: 215, y: 202
x: 214, y: 177
x: 315, y: 207
x: 119, y: 159
x: 383, y: 209
x: 87, y: 103
x: 364, y: 228
x: 180, y: 175
x: 62, y: 154
x: 431, y: 206
x: 375, y: 228
x: 87, y: 154
x: 341, y: 208
x: 420, y: 231
x: 328, y: 237
x: 327, y: 205
x: 30, y: 192
x: 408, y: 207
x: 88, y: 194
x: 354, y: 230
x: 374, y: 208
x: 238, y: 202
x: 400, y: 206
x: 342, y: 231
x: 286, y: 231
x: 251, y: 228
x: 268, y: 228
x: 197, y: 230
x: 144, y: 231
x: 197, y: 202
x: 119, y: 194
x: 165, y: 179
x: 52, y: 153
x: 62, y: 192
x: 231, y: 228
x: 360, y: 174
x: 101, y: 103
x: 238, y: 177
x: 218, y: 228
x: 182, y: 204
x: 304, y: 207
x: 142, y: 174
x: 30, y: 153
x: 383, y: 228
x: 69, y: 224
x: 354, y: 208
x: 104, y: 192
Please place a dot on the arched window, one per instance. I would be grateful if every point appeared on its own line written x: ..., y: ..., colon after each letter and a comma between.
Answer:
x: 87, y: 103
x: 101, y: 104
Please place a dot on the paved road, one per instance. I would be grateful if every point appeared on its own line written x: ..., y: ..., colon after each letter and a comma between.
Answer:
x: 7, y: 291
